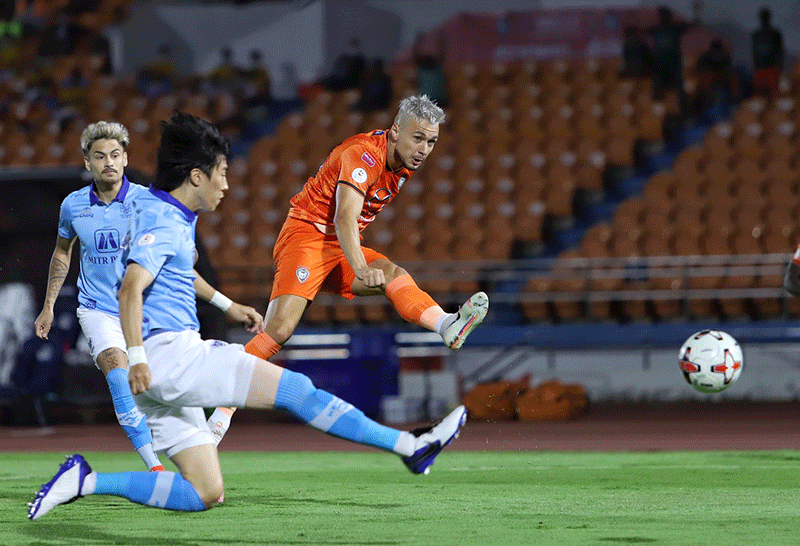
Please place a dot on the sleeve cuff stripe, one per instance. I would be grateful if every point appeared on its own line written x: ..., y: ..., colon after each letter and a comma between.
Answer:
x: 352, y: 186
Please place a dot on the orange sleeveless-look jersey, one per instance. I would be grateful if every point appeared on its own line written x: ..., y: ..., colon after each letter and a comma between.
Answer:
x: 359, y: 162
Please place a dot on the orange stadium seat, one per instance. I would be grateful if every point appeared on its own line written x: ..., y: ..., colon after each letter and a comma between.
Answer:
x: 650, y: 121
x: 780, y: 112
x: 373, y: 313
x: 749, y: 143
x: 536, y: 311
x: 655, y: 243
x: 568, y: 278
x: 318, y: 312
x: 685, y: 244
x: 750, y: 111
x: 718, y: 141
x: 736, y: 305
x: 345, y: 312
x: 558, y: 198
x: 619, y: 151
x: 670, y: 280
x: 529, y: 220
x: 703, y: 279
x: 720, y: 171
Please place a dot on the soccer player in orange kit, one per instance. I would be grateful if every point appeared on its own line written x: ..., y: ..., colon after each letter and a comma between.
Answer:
x: 319, y: 246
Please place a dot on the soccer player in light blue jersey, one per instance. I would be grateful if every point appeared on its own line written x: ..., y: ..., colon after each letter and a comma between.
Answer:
x: 98, y: 215
x: 174, y: 373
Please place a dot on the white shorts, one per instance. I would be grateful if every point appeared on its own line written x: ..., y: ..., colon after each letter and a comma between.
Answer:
x: 188, y: 374
x: 102, y: 331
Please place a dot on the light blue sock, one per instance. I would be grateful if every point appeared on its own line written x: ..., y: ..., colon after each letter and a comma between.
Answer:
x: 167, y: 490
x: 323, y: 411
x: 130, y: 418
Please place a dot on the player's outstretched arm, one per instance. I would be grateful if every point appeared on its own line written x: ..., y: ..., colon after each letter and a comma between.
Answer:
x: 349, y: 204
x: 235, y: 311
x: 59, y: 267
x: 136, y: 279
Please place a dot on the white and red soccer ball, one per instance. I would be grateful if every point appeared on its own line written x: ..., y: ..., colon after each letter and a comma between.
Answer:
x: 711, y: 360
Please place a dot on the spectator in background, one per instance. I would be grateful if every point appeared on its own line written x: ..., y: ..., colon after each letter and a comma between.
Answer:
x: 225, y: 77
x: 667, y: 58
x: 158, y: 78
x: 376, y: 90
x: 286, y: 86
x: 636, y: 56
x: 431, y: 79
x: 256, y: 83
x: 768, y: 54
x: 60, y: 36
x: 348, y: 69
x: 73, y: 90
x: 715, y: 82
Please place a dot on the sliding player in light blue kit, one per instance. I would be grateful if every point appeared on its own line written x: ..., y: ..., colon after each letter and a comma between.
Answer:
x: 174, y: 373
x: 98, y: 215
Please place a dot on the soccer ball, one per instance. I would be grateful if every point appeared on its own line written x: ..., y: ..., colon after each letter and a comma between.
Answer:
x: 711, y: 361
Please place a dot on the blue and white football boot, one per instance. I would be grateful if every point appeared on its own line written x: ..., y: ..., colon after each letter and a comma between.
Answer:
x: 431, y: 440
x: 65, y: 487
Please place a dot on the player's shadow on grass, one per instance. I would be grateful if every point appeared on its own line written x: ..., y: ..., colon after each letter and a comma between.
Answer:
x: 628, y: 540
x: 46, y: 532
x: 283, y: 501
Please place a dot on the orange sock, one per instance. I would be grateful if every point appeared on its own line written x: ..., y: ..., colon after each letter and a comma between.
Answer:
x: 413, y: 304
x: 262, y: 346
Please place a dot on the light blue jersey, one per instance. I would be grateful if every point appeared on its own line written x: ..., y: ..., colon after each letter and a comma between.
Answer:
x: 161, y: 239
x: 99, y: 228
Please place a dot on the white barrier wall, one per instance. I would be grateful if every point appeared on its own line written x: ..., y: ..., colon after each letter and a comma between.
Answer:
x: 771, y: 372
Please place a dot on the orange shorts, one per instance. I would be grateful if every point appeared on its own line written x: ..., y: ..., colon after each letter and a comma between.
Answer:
x: 307, y: 261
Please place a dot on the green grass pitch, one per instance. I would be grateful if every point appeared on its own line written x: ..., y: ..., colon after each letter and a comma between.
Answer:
x: 470, y: 498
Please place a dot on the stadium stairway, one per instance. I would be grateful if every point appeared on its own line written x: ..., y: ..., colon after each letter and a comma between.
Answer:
x: 620, y: 184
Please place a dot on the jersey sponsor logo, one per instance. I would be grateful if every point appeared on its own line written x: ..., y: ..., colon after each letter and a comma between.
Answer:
x: 379, y: 133
x: 375, y: 203
x: 218, y: 343
x: 106, y: 240
x: 125, y: 210
x: 359, y: 175
x: 146, y: 240
x: 368, y: 159
x: 401, y: 182
x: 91, y: 304
x: 102, y: 260
x: 86, y: 213
x: 302, y: 274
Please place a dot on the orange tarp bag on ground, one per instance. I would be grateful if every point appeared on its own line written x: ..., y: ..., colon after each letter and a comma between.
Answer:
x: 495, y: 401
x: 552, y: 400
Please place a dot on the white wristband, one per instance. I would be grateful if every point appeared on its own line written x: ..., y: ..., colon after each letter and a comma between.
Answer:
x: 221, y: 300
x: 136, y: 355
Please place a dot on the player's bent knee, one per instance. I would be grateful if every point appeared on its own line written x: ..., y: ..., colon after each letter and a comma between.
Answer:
x: 394, y: 272
x: 281, y: 332
x: 210, y: 491
x: 111, y: 359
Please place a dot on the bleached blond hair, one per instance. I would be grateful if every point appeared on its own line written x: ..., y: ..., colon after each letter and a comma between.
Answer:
x: 110, y: 130
x: 419, y: 107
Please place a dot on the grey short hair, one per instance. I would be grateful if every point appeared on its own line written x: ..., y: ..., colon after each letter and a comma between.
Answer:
x: 419, y: 107
x: 110, y: 130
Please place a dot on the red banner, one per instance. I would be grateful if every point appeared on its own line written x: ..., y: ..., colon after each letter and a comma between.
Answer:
x: 544, y: 34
